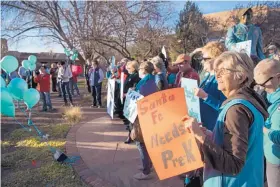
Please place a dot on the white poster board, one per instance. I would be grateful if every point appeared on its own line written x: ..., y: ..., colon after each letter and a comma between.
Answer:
x: 244, y: 47
x: 110, y: 97
x: 163, y: 51
x: 130, y: 105
x: 122, y: 85
x: 192, y: 101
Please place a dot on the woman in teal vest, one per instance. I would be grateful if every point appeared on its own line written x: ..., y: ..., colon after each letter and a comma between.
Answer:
x: 267, y: 75
x: 233, y: 152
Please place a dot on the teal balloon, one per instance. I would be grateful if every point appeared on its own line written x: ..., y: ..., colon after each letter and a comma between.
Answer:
x: 73, y: 57
x: 3, y: 82
x: 9, y: 63
x: 31, y: 97
x: 26, y: 64
x: 32, y: 66
x: 7, y: 104
x: 67, y: 53
x: 32, y: 58
x: 17, y: 87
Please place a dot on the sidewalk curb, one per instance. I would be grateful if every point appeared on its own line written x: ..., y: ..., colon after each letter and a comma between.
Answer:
x: 88, y: 176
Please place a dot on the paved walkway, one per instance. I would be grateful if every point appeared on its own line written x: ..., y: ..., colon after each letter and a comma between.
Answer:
x: 106, y: 160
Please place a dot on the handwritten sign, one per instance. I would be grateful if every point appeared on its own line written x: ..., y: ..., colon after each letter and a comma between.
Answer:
x: 244, y: 47
x: 110, y: 97
x: 130, y: 105
x: 122, y: 86
x: 192, y: 101
x: 172, y: 149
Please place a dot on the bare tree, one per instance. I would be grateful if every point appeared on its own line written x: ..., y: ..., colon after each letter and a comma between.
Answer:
x: 92, y: 27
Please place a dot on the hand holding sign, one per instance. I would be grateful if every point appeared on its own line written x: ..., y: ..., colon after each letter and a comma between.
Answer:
x: 199, y: 92
x: 196, y: 129
x: 171, y: 148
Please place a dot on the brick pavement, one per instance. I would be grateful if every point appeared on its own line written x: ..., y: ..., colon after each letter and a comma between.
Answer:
x: 105, y: 160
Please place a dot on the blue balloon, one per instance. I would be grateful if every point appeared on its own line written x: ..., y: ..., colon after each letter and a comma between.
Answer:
x: 31, y: 97
x: 3, y: 82
x: 9, y: 63
x: 7, y: 104
x: 17, y: 87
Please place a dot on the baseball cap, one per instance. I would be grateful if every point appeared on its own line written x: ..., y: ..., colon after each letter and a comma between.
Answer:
x: 181, y: 58
x: 243, y: 11
x: 271, y: 47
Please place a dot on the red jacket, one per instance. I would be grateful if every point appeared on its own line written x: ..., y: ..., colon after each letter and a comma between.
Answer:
x: 43, y: 81
x: 75, y: 78
x: 191, y: 74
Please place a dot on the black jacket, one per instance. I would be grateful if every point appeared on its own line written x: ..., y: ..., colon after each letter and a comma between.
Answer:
x: 131, y: 82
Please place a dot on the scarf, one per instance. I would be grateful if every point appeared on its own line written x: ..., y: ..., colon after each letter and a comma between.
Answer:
x: 143, y: 81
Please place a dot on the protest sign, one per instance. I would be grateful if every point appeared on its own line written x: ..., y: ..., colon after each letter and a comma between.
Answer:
x: 244, y: 47
x: 172, y: 149
x: 163, y: 51
x: 122, y: 85
x: 113, y: 62
x: 110, y: 97
x: 130, y: 105
x: 192, y: 101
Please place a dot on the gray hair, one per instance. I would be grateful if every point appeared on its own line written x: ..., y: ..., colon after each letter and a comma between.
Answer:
x: 158, y: 62
x: 241, y: 63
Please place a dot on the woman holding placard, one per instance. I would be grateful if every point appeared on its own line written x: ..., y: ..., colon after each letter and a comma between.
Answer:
x: 145, y: 87
x: 234, y: 148
x: 130, y: 82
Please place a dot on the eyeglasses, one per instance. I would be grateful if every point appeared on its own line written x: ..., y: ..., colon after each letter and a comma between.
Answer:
x: 224, y: 71
x: 263, y: 84
x: 206, y: 58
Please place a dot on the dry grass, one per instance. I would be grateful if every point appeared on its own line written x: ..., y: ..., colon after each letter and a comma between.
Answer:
x: 17, y: 164
x: 72, y: 115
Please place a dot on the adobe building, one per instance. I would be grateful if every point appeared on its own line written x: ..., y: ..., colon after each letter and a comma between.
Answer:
x: 42, y: 58
x: 268, y: 17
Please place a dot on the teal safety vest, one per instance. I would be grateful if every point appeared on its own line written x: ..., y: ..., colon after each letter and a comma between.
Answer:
x: 252, y: 173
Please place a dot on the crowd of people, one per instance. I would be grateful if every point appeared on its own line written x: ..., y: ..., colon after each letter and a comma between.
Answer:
x: 239, y: 136
x: 239, y: 133
x: 60, y: 78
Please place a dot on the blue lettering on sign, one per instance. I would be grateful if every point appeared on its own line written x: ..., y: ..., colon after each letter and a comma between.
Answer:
x: 190, y: 95
x: 193, y: 113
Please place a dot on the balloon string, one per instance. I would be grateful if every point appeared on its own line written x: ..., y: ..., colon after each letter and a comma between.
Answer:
x: 28, y: 130
x: 30, y: 123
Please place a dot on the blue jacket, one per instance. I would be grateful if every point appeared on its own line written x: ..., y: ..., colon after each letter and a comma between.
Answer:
x: 272, y: 137
x: 252, y: 174
x: 161, y: 77
x: 240, y: 33
x: 147, y: 85
x: 209, y: 107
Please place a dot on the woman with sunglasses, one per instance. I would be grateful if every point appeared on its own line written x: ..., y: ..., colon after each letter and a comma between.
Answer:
x: 267, y: 75
x: 210, y: 97
x: 233, y: 153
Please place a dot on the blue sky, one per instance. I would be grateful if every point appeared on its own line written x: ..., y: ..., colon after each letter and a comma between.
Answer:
x: 37, y: 45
